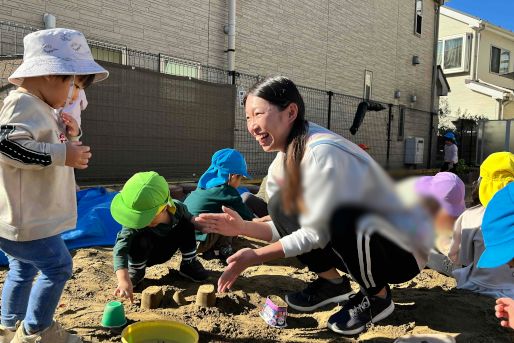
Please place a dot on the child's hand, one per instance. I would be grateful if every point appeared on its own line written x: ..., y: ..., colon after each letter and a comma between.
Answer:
x: 505, y: 310
x: 125, y: 290
x: 72, y: 127
x: 77, y: 155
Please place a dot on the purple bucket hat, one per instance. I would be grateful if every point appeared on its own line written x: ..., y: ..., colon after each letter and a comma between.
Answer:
x: 446, y: 188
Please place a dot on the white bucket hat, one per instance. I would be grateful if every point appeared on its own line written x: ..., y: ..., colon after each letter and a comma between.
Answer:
x: 57, y: 52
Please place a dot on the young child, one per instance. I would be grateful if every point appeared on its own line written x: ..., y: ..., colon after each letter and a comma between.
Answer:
x: 496, y: 172
x: 71, y: 114
x: 154, y: 228
x: 498, y: 233
x: 217, y: 187
x: 442, y: 196
x: 451, y: 152
x: 36, y: 171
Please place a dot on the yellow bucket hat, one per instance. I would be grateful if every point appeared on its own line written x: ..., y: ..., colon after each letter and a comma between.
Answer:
x: 496, y: 172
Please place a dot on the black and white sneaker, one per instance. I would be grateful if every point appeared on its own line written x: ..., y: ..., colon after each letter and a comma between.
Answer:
x: 318, y: 293
x: 193, y: 270
x: 360, y: 311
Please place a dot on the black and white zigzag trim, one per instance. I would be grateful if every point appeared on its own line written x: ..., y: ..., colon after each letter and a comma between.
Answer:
x: 19, y: 153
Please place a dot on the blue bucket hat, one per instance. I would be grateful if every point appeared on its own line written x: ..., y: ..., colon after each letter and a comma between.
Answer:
x: 223, y: 163
x: 498, y: 229
x: 450, y: 136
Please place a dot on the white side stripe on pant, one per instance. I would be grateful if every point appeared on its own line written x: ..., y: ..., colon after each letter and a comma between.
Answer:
x: 363, y: 238
x: 368, y: 260
x: 361, y: 262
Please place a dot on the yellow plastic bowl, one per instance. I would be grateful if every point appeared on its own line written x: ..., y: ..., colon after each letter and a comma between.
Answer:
x: 162, y: 331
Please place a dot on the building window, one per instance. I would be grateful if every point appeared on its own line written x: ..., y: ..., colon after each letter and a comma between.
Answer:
x: 108, y: 52
x: 178, y: 67
x: 401, y: 123
x: 418, y: 20
x: 368, y: 81
x: 453, y: 53
x: 500, y: 60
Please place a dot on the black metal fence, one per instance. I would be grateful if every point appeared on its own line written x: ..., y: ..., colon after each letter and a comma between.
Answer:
x: 383, y: 132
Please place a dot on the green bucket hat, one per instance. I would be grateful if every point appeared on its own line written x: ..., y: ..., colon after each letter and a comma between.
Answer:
x: 141, y: 197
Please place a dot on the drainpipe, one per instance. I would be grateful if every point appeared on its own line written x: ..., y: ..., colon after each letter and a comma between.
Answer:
x: 500, y: 108
x: 231, y: 50
x: 433, y: 107
x: 477, y: 29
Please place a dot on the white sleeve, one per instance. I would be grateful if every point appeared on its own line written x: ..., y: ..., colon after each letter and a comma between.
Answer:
x: 275, y: 175
x: 454, y: 252
x: 275, y: 236
x: 330, y: 177
x: 455, y: 153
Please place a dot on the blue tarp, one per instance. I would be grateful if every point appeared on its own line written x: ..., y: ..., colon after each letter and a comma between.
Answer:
x: 95, y: 225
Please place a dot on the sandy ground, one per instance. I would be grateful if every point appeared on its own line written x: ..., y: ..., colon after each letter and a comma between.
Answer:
x: 427, y: 304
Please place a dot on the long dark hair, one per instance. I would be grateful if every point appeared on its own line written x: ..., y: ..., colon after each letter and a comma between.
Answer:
x: 282, y: 92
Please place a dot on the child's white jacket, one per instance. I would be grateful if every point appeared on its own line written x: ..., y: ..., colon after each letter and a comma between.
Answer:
x: 37, y: 194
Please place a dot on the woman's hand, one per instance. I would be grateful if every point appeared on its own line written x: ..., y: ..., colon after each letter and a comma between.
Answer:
x: 72, y: 127
x: 262, y: 219
x: 228, y: 223
x: 237, y: 264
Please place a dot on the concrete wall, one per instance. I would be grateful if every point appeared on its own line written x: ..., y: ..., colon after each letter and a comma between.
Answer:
x: 190, y: 29
x: 329, y: 45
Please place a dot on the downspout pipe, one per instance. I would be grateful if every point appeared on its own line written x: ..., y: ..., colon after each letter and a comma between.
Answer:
x: 434, y: 108
x: 231, y: 50
x: 477, y: 29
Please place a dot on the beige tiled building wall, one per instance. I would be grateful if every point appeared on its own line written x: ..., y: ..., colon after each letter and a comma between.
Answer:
x: 191, y: 29
x: 325, y: 44
x: 329, y: 45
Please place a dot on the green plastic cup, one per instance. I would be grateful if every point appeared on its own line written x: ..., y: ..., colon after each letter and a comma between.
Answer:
x: 114, y: 315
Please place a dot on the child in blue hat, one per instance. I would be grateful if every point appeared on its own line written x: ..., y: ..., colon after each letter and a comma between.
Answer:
x: 498, y: 232
x: 217, y: 187
x: 451, y: 152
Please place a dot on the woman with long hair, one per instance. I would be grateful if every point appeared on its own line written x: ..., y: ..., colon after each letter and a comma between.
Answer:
x: 332, y: 206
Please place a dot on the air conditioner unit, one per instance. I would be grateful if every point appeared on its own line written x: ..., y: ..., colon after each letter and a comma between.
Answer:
x: 414, y: 147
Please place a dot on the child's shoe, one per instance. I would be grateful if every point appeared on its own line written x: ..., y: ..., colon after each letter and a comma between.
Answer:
x: 54, y: 334
x: 7, y: 334
x: 193, y: 270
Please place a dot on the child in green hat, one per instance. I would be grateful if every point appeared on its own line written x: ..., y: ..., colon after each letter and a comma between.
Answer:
x: 154, y: 228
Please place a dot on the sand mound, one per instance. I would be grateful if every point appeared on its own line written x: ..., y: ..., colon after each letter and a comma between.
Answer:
x: 427, y: 304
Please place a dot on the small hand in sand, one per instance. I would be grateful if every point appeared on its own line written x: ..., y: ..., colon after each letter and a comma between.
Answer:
x: 505, y: 310
x: 237, y: 264
x: 125, y: 290
x: 228, y: 223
